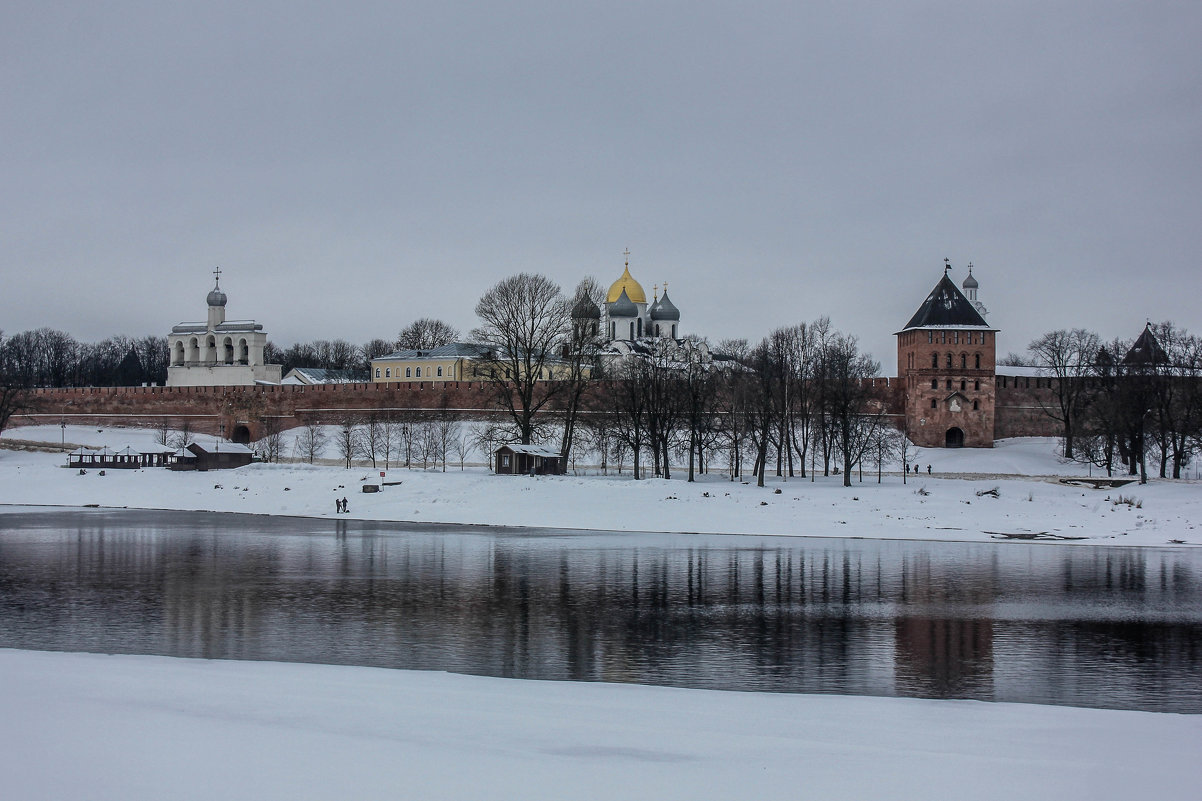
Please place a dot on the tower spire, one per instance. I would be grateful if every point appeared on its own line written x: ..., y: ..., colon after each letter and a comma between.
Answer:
x: 217, y: 275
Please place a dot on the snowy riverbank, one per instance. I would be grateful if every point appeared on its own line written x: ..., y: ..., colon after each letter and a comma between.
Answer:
x: 1024, y: 471
x: 137, y: 727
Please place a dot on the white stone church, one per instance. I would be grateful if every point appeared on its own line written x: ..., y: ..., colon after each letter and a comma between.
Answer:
x: 219, y: 352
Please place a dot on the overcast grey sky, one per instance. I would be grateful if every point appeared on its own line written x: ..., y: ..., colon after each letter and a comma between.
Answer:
x: 353, y: 166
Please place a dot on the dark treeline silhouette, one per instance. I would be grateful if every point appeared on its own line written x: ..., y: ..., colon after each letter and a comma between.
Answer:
x: 1122, y: 402
x: 49, y: 358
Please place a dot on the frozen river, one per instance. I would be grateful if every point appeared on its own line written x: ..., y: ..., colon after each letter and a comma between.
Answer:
x: 1031, y: 622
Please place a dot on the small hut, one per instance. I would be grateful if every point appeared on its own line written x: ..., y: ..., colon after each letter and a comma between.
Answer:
x: 530, y: 460
x: 220, y: 455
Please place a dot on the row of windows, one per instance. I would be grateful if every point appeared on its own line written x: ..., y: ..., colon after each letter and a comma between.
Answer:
x: 408, y: 373
x: 636, y: 329
x: 968, y: 337
x: 976, y: 360
x: 976, y: 385
x: 950, y: 361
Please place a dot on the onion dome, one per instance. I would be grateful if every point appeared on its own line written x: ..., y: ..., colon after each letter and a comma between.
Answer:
x: 665, y: 309
x: 585, y: 309
x: 623, y: 306
x: 970, y: 282
x: 216, y: 296
x: 626, y: 284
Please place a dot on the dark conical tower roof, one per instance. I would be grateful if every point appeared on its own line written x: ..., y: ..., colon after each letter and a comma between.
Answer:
x: 1146, y: 350
x: 946, y: 306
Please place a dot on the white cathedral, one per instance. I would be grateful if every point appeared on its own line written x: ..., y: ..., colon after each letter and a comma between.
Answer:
x: 627, y: 315
x: 219, y: 352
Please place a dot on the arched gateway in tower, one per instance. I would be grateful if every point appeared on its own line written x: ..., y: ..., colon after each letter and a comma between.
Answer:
x: 946, y: 363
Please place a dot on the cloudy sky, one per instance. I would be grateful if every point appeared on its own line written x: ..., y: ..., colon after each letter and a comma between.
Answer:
x: 353, y: 166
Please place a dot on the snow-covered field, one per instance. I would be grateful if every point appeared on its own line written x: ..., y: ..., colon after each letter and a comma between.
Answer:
x: 1024, y: 471
x: 132, y: 727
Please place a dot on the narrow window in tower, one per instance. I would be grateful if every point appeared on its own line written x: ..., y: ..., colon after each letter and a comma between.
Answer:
x: 976, y: 385
x: 949, y: 383
x: 949, y: 361
x: 930, y: 337
x: 956, y: 337
x: 963, y: 361
x: 976, y: 405
x: 934, y: 403
x: 977, y: 360
x: 963, y: 385
x: 934, y: 361
x: 934, y: 383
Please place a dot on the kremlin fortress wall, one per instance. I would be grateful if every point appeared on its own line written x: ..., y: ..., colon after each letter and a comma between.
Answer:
x: 243, y: 412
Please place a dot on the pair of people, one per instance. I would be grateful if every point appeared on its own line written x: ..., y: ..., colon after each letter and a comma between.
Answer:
x: 340, y: 506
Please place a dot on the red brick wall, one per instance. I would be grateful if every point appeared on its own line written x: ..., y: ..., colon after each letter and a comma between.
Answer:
x: 1020, y: 408
x: 207, y: 409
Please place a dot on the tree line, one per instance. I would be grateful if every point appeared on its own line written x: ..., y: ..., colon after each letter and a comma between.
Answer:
x: 1123, y: 402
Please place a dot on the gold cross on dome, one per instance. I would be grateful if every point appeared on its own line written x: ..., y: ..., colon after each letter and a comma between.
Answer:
x: 626, y: 253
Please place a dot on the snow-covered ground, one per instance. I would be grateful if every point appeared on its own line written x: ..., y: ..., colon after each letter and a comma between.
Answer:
x: 138, y: 727
x: 1023, y: 470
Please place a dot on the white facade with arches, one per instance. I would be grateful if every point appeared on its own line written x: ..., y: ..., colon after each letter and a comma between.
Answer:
x: 219, y: 352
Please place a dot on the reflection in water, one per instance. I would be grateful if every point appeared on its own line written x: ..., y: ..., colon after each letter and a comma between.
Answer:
x: 1016, y: 622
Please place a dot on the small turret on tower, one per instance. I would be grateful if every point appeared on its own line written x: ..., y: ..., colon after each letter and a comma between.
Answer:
x: 970, y: 291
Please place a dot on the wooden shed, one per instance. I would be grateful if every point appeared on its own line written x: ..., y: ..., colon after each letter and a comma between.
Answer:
x: 218, y: 455
x: 530, y: 460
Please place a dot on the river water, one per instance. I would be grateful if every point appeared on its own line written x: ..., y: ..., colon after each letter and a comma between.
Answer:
x: 1032, y: 622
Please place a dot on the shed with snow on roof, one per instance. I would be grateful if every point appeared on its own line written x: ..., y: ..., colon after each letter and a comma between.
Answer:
x: 528, y: 460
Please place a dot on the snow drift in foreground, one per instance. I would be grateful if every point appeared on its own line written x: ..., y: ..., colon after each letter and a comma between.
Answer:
x: 137, y: 727
x: 1158, y: 514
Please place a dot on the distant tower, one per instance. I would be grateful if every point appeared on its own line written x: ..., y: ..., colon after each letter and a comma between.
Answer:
x: 946, y: 361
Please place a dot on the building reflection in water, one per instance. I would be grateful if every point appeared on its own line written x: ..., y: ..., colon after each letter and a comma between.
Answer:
x: 1091, y: 626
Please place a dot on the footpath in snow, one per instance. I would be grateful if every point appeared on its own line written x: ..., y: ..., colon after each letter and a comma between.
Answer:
x: 1025, y: 472
x: 130, y: 728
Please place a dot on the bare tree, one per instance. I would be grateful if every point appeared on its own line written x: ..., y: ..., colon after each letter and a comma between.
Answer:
x: 852, y: 409
x: 271, y: 443
x: 163, y: 431
x: 15, y: 394
x: 311, y: 441
x: 1067, y: 356
x: 487, y: 438
x: 183, y: 436
x: 462, y: 447
x: 524, y: 323
x: 372, y: 436
x: 426, y: 334
x: 349, y: 439
x: 580, y: 357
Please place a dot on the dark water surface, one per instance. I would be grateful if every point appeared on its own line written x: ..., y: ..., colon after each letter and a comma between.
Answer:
x: 1087, y: 626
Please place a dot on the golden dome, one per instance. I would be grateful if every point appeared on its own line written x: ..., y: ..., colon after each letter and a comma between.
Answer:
x: 634, y: 290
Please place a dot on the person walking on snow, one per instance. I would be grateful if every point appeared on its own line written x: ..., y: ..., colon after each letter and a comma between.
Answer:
x: 344, y: 509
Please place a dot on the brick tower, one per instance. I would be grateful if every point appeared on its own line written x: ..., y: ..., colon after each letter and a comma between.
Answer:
x: 946, y: 362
